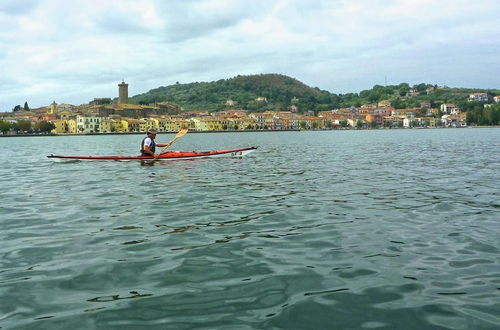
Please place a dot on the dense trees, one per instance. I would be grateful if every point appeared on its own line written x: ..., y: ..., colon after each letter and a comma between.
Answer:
x: 478, y: 114
x: 44, y: 126
x: 24, y: 126
x: 5, y: 126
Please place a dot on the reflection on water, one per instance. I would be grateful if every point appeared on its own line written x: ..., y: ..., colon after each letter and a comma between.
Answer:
x: 314, y: 230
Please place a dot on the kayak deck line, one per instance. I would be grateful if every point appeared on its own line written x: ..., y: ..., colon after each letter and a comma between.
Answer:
x: 169, y: 155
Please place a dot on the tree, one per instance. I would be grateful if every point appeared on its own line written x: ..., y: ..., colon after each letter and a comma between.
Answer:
x: 343, y: 123
x: 398, y: 103
x: 359, y: 123
x: 26, y: 107
x: 44, y: 126
x: 5, y: 126
x: 17, y: 108
x: 373, y: 124
x: 23, y: 126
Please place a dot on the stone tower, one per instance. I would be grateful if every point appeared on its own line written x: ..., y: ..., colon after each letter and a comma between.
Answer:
x: 122, y: 93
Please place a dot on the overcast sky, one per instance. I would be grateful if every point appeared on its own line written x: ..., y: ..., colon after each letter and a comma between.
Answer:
x: 74, y: 51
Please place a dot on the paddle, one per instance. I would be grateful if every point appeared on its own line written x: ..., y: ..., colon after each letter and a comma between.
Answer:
x: 180, y: 134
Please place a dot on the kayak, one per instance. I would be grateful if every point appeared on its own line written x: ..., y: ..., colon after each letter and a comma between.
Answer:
x: 169, y: 155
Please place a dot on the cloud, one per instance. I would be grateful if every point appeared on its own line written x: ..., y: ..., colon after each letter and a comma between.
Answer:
x: 15, y: 7
x: 54, y: 49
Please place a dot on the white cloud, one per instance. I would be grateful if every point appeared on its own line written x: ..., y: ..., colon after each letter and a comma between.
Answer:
x: 73, y: 51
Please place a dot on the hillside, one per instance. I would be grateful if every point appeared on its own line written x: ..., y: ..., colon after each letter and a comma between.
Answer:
x: 279, y: 92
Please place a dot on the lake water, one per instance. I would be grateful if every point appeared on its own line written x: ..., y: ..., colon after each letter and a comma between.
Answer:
x: 382, y: 229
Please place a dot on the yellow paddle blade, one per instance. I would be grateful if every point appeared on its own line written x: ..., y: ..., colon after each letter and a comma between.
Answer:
x: 181, y: 133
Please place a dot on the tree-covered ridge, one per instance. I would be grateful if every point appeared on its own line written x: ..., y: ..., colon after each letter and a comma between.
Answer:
x: 254, y: 93
x: 279, y: 92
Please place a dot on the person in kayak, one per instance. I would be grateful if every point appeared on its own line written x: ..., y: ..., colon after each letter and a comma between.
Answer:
x: 148, y: 144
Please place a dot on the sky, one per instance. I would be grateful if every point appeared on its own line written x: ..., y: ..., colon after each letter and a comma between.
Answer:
x: 78, y: 50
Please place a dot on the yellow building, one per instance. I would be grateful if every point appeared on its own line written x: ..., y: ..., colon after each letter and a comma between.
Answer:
x: 72, y: 126
x: 246, y: 123
x: 106, y: 124
x: 148, y: 124
x: 124, y: 125
x: 117, y: 125
x: 133, y: 125
x: 208, y: 123
x: 310, y: 122
x: 65, y: 126
x: 175, y: 124
x: 61, y: 126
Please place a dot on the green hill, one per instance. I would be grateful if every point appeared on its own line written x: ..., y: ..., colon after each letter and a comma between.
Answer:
x: 278, y: 92
x: 247, y: 92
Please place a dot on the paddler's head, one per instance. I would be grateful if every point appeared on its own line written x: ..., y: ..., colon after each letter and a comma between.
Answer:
x: 152, y: 133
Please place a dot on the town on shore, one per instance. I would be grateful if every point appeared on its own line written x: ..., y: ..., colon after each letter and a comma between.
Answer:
x: 104, y: 115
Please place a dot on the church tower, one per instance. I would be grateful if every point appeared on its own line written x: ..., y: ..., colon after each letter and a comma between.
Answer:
x: 123, y: 93
x: 53, y: 108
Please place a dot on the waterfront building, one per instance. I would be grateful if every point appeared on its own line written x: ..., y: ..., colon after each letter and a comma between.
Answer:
x: 149, y: 124
x: 208, y: 123
x: 64, y: 126
x: 458, y: 120
x: 259, y: 118
x: 108, y: 124
x: 378, y: 118
x: 174, y: 124
x: 88, y: 124
x: 60, y: 127
x: 132, y: 125
x: 353, y: 121
x: 310, y: 122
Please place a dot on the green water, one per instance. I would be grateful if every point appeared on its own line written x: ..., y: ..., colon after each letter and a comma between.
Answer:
x: 384, y: 229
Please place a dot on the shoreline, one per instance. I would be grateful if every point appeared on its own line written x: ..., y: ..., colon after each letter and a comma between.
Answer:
x: 242, y: 131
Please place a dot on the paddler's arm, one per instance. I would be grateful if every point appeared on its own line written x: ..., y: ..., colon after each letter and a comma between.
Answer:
x: 161, y: 145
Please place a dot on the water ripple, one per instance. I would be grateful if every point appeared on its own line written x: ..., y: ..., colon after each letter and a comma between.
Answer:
x: 315, y: 230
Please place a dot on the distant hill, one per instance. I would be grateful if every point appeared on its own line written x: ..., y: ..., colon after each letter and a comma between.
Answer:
x: 279, y: 92
x: 256, y: 92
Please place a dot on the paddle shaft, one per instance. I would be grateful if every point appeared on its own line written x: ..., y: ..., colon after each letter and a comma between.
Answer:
x: 180, y: 134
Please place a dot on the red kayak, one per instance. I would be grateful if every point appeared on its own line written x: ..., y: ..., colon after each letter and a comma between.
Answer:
x: 238, y: 152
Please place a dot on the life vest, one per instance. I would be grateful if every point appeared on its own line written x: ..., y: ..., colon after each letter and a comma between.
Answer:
x: 152, y: 147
